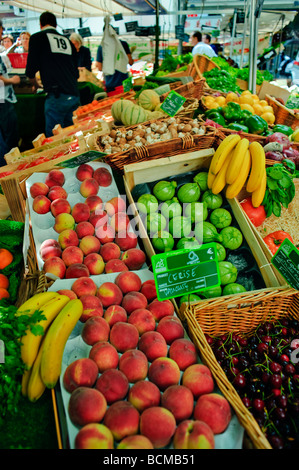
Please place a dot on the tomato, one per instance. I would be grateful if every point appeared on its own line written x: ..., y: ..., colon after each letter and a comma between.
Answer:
x: 275, y: 239
x: 257, y: 215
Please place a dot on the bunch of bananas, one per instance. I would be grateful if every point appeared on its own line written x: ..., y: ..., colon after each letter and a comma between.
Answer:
x: 42, y: 353
x: 238, y: 163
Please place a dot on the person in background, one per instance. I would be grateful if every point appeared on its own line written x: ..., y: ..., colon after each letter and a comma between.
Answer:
x: 55, y: 57
x: 199, y: 47
x: 7, y: 41
x: 214, y: 45
x: 22, y: 44
x: 84, y: 56
x: 9, y: 121
x: 112, y: 81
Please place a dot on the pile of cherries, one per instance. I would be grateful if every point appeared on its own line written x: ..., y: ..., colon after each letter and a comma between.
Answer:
x: 264, y: 369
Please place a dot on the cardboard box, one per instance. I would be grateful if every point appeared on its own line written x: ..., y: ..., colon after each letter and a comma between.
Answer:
x: 273, y: 90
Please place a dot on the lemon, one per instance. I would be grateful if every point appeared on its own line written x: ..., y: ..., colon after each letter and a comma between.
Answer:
x: 248, y: 107
x: 268, y: 109
x: 246, y: 99
x: 263, y: 103
x: 231, y: 96
x: 220, y: 100
x: 269, y: 117
x: 258, y: 109
x: 246, y: 92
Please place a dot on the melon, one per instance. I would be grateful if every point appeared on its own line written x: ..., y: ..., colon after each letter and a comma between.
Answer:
x: 132, y: 115
x: 149, y: 99
x: 118, y: 107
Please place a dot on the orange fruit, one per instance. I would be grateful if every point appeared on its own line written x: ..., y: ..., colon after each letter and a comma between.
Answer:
x: 4, y: 294
x: 4, y: 282
x: 6, y: 258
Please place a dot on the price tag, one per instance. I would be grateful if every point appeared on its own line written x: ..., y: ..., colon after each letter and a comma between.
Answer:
x: 286, y: 261
x: 80, y: 159
x: 127, y: 84
x: 172, y: 103
x: 181, y: 272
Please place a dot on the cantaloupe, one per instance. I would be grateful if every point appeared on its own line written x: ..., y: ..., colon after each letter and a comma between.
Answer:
x: 149, y: 99
x: 132, y: 115
x: 118, y: 107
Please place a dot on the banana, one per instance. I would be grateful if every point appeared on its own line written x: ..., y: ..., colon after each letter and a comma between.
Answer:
x: 30, y: 342
x: 56, y: 339
x: 258, y: 162
x: 24, y: 382
x: 233, y: 189
x: 257, y: 196
x: 295, y: 136
x: 36, y: 386
x: 211, y: 178
x: 222, y: 151
x: 237, y: 160
x: 220, y: 179
x: 35, y: 302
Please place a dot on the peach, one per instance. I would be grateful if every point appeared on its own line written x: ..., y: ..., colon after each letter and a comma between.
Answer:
x: 134, y: 258
x: 122, y: 419
x: 115, y: 313
x: 105, y: 233
x: 153, y: 345
x: 119, y: 221
x: 68, y: 292
x: 144, y: 394
x: 148, y: 288
x: 92, y: 307
x: 164, y: 372
x: 63, y: 222
x: 94, y: 436
x: 134, y: 364
x: 171, y: 328
x: 41, y: 204
x: 82, y: 372
x: 115, y: 266
x: 135, y: 442
x: 214, y: 410
x: 94, y: 263
x: 50, y: 248
x: 55, y: 266
x: 103, y: 176
x: 114, y: 205
x: 124, y: 336
x: 143, y: 320
x: 161, y: 308
x: 76, y: 270
x: 104, y: 355
x: 84, y: 228
x: 158, y: 425
x: 80, y: 212
x: 110, y: 251
x: 90, y: 244
x: 128, y: 281
x: 113, y: 384
x: 86, y: 405
x: 133, y: 300
x: 68, y: 237
x: 95, y: 329
x: 183, y: 352
x: 84, y: 286
x: 38, y: 189
x: 110, y: 294
x: 72, y: 254
x: 193, y: 434
x: 89, y: 187
x: 198, y: 378
x: 179, y: 400
x: 60, y: 206
x: 55, y: 178
x: 94, y: 203
x: 57, y: 192
x: 98, y: 218
x: 126, y: 239
x: 84, y: 171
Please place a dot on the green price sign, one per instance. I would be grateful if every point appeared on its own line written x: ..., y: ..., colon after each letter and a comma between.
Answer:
x: 172, y: 103
x: 181, y: 272
x: 286, y: 261
x: 80, y: 159
x: 127, y: 84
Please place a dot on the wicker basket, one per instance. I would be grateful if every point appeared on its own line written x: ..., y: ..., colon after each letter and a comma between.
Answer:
x: 188, y: 90
x: 283, y: 115
x: 203, y: 64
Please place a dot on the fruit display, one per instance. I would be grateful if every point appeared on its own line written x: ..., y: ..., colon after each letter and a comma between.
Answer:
x: 95, y: 105
x: 129, y: 376
x: 263, y: 368
x: 79, y: 222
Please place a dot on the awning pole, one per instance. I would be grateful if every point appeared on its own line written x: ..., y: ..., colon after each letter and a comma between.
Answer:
x: 156, y: 66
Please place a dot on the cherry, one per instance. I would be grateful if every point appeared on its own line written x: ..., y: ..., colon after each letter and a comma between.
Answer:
x: 280, y: 413
x: 243, y: 342
x: 266, y: 339
x: 275, y: 381
x: 209, y: 339
x: 258, y: 404
x: 276, y: 442
x: 273, y: 351
x: 262, y: 348
x: 289, y: 369
x: 284, y: 331
x: 239, y: 381
x: 246, y: 401
x: 275, y: 367
x: 276, y: 392
x: 235, y: 360
x: 265, y: 377
x: 282, y: 401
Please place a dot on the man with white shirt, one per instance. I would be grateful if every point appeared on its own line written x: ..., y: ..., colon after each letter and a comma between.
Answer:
x: 55, y: 57
x: 199, y: 47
